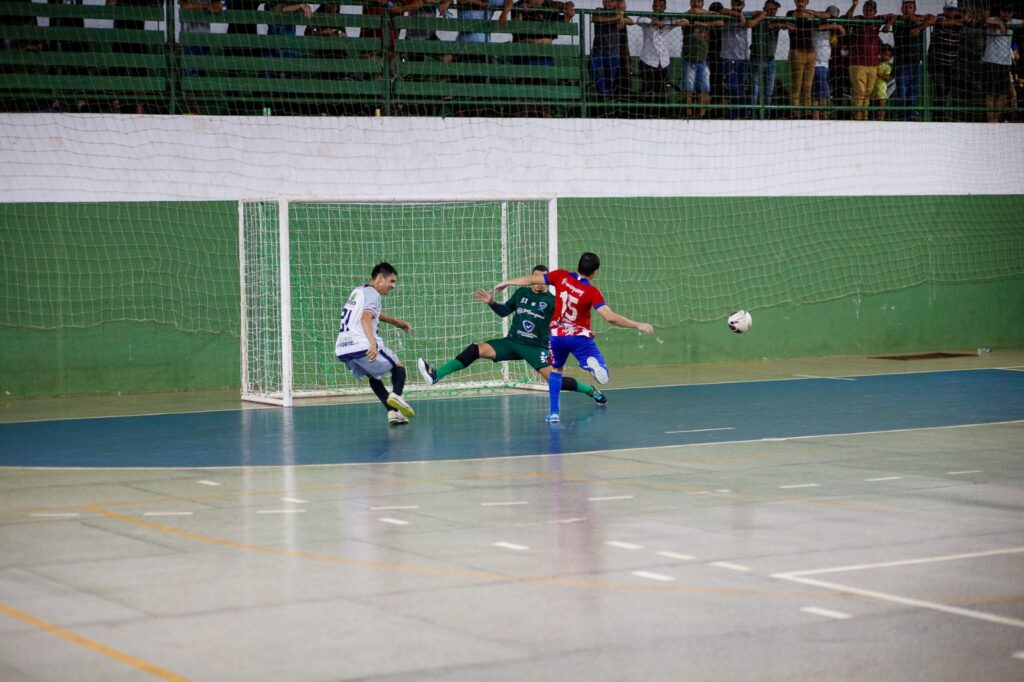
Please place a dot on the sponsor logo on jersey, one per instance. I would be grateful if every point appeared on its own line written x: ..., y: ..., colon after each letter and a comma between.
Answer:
x: 528, y: 326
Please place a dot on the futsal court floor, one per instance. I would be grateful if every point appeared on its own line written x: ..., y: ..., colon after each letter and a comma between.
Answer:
x: 826, y: 518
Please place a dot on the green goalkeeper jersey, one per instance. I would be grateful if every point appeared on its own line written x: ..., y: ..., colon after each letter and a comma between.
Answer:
x: 532, y: 313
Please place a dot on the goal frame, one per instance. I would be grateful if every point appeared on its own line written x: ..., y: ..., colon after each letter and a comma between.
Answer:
x: 287, y: 394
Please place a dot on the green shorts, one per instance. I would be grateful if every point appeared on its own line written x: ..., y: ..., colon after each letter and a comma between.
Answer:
x: 507, y: 349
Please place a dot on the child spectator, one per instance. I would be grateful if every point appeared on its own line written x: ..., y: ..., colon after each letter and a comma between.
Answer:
x: 883, y: 81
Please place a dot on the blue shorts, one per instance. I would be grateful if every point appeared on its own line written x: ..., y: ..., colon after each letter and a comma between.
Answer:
x: 819, y: 86
x: 581, y: 347
x: 696, y: 76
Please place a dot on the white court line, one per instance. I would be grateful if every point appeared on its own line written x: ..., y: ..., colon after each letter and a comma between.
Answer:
x: 676, y: 555
x: 799, y: 577
x: 280, y: 511
x: 828, y: 613
x: 208, y: 483
x: 882, y: 478
x: 622, y: 545
x: 610, y: 497
x: 653, y: 576
x: 814, y: 376
x: 394, y: 522
x: 724, y: 428
x: 403, y: 506
x: 723, y: 490
x: 906, y: 601
x: 293, y: 500
x: 503, y: 504
x: 573, y: 520
x: 731, y: 566
x: 904, y: 562
x: 961, y: 473
x: 801, y: 485
x: 511, y: 545
x: 1019, y: 655
x: 167, y: 513
x: 56, y: 515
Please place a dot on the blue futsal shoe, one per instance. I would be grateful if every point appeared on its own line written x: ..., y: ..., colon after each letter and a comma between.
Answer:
x: 552, y: 418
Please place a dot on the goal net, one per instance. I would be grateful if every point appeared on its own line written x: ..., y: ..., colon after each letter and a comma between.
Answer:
x: 301, y: 259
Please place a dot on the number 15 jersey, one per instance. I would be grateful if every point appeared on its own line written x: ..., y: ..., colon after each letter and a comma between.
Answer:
x: 575, y: 296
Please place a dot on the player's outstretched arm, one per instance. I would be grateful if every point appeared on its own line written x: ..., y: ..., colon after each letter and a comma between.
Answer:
x: 396, y: 322
x: 500, y: 309
x: 620, y: 321
x: 524, y: 281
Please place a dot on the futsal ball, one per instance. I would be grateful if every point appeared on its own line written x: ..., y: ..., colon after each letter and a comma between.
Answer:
x: 741, y: 321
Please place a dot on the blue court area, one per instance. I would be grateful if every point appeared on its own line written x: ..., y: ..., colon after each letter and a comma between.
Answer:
x: 513, y: 425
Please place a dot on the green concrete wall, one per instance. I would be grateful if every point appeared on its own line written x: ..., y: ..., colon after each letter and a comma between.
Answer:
x: 955, y: 267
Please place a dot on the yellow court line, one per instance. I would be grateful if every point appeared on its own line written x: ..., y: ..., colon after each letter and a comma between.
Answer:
x: 430, y: 570
x: 90, y: 644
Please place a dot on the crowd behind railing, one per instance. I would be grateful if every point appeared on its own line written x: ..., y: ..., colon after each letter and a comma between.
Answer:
x: 514, y: 57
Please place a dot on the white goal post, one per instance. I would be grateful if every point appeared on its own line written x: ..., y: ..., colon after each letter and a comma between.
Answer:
x: 300, y: 259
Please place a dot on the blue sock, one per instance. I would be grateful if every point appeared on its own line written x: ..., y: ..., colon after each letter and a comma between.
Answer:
x: 554, y: 386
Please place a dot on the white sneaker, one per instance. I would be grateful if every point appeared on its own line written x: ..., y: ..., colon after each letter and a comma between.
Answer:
x: 395, y: 418
x: 398, y: 402
x: 600, y: 373
x: 427, y: 372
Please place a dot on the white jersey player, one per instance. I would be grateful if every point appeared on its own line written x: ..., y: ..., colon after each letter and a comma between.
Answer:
x: 362, y: 350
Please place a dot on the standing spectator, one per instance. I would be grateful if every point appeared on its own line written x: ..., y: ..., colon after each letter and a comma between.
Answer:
x: 429, y: 9
x: 287, y: 29
x: 883, y: 79
x: 213, y: 7
x: 715, y: 59
x: 997, y: 62
x: 822, y: 38
x: 943, y: 58
x: 763, y: 45
x: 908, y: 57
x: 624, y: 81
x: 326, y: 31
x: 735, y: 58
x: 801, y: 56
x: 604, y: 51
x: 248, y: 29
x: 537, y: 11
x: 472, y: 10
x: 864, y: 56
x: 654, y: 57
x: 695, y: 71
x: 132, y: 47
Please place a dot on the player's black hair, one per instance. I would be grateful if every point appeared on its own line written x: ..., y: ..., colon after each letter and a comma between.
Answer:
x: 588, y: 265
x: 539, y: 268
x: 383, y: 268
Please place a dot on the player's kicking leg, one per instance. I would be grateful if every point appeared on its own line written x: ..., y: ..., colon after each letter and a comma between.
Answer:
x: 467, y: 357
x: 572, y: 385
x: 591, y: 360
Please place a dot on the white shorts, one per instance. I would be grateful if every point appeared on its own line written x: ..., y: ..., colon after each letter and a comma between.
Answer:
x: 360, y: 366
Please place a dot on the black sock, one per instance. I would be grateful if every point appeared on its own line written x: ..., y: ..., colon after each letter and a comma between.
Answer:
x: 380, y: 390
x: 398, y: 379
